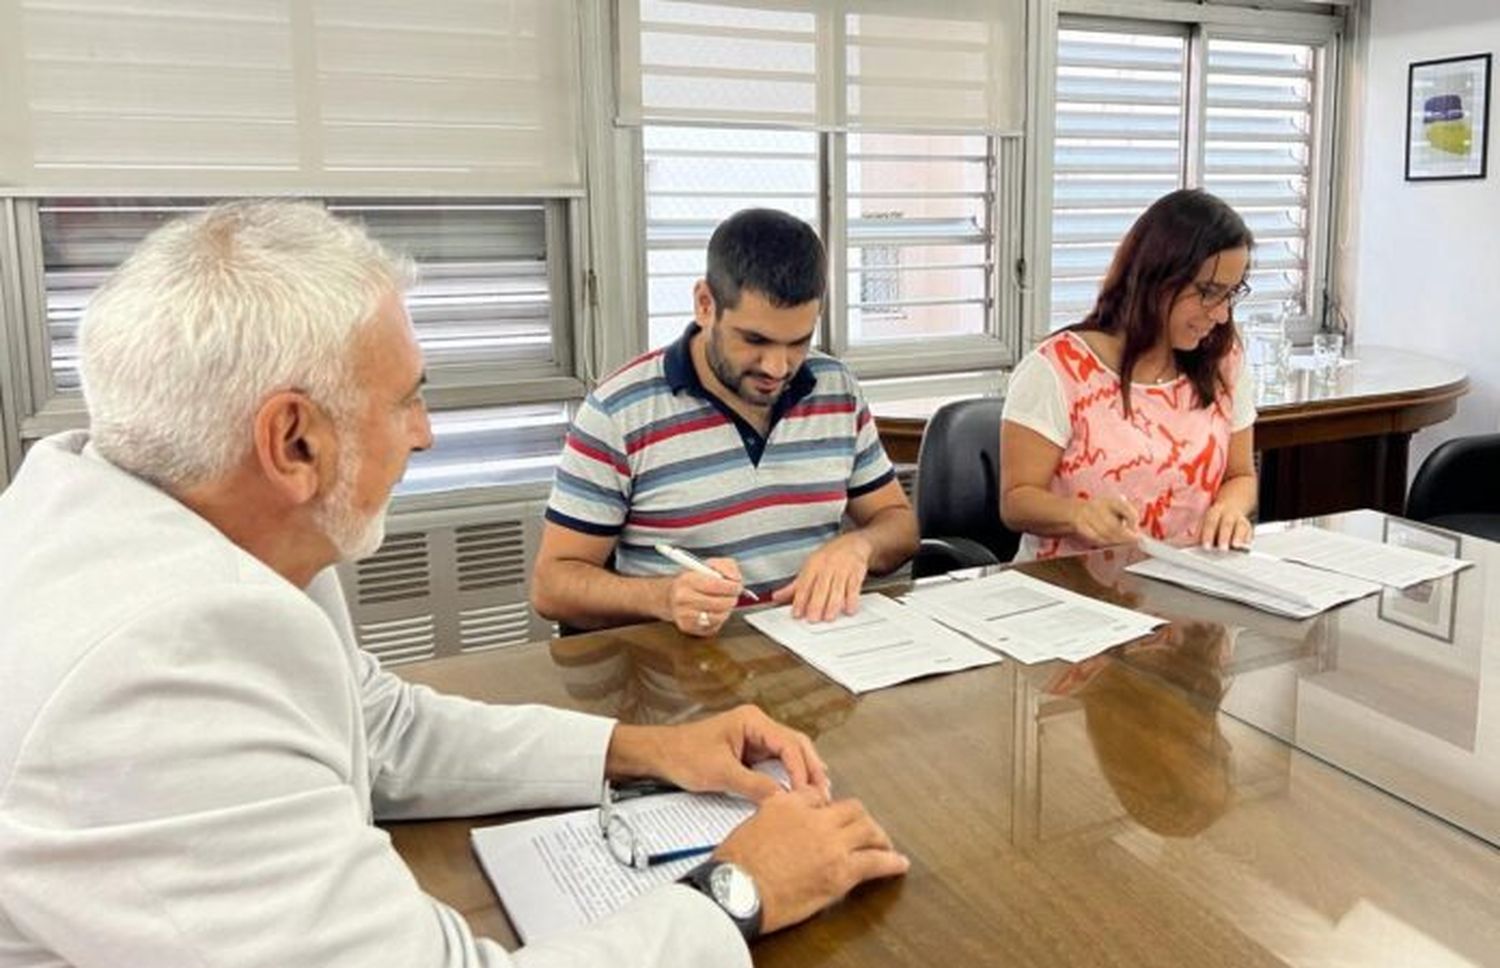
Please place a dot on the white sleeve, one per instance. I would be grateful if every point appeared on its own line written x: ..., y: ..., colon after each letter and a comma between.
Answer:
x: 1034, y: 399
x: 435, y: 755
x: 193, y: 780
x: 1244, y: 400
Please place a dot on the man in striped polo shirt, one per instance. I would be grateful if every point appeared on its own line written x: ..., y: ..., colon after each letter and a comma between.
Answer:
x: 737, y: 443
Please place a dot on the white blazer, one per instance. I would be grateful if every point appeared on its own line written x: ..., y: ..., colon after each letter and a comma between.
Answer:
x: 191, y: 751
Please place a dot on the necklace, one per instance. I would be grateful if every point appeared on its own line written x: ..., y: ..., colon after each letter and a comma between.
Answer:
x: 1165, y: 373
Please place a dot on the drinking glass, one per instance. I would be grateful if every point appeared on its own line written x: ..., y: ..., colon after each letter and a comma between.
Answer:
x: 1267, y: 353
x: 1327, y: 349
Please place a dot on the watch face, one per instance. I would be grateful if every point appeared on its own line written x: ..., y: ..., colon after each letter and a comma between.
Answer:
x: 734, y: 891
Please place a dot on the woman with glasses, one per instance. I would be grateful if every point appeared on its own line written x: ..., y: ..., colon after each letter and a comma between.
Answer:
x: 1137, y: 420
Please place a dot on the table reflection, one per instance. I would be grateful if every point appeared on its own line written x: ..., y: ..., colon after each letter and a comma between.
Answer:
x: 1400, y: 699
x: 637, y: 675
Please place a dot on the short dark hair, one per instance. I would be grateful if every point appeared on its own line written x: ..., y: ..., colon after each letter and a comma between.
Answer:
x: 768, y: 252
x: 1160, y: 255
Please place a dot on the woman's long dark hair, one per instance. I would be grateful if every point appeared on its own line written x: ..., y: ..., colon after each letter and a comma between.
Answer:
x: 1160, y: 255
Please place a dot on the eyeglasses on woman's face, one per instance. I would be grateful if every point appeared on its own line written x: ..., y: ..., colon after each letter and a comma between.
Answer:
x: 1212, y: 294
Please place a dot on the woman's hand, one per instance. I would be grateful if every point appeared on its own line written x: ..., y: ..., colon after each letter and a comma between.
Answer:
x: 1226, y: 527
x: 1106, y: 520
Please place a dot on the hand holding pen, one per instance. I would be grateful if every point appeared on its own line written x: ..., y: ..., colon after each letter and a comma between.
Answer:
x: 703, y: 595
x: 1106, y: 520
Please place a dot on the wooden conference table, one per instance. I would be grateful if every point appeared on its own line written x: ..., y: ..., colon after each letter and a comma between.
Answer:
x: 1190, y: 799
x: 1325, y: 444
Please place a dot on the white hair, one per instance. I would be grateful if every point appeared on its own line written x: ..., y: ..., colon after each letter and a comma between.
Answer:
x: 214, y: 312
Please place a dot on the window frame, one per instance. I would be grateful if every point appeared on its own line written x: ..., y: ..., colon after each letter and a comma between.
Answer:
x: 1202, y: 22
x: 12, y: 373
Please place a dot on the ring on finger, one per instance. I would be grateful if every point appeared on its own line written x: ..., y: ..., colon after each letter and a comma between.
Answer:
x: 703, y: 620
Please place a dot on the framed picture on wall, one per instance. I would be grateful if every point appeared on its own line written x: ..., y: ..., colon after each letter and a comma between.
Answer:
x: 1448, y: 118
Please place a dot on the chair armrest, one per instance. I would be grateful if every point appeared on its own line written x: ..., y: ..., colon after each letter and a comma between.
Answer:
x: 935, y: 556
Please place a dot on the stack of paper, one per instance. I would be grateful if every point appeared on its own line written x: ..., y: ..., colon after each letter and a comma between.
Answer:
x: 882, y: 644
x: 1252, y: 577
x: 1385, y: 564
x: 1029, y: 619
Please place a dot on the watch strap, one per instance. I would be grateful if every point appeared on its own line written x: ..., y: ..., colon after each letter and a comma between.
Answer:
x: 700, y: 879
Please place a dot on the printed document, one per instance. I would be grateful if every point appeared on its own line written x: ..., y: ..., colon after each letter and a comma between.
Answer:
x: 882, y: 644
x: 1253, y: 577
x: 1029, y: 619
x: 555, y: 874
x: 1384, y: 564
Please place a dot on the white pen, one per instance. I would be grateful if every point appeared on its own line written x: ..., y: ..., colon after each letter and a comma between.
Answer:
x: 694, y: 563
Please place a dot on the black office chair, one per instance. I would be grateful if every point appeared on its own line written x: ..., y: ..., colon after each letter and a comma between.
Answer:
x: 1458, y: 487
x: 958, y: 490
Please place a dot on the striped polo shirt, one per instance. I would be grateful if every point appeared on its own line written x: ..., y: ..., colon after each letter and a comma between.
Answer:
x: 654, y: 457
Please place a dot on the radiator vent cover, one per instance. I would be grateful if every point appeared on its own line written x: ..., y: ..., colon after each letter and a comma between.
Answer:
x: 400, y: 570
x: 491, y: 555
x: 448, y: 581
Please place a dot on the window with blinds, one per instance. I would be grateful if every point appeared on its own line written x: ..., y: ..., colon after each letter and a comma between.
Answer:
x: 233, y: 96
x: 875, y: 120
x: 1118, y: 145
x: 1258, y: 158
x: 1122, y: 139
x: 694, y: 179
x: 483, y: 294
x: 484, y: 298
x: 489, y: 447
x: 920, y: 239
x: 920, y: 236
x: 83, y: 240
x: 825, y: 64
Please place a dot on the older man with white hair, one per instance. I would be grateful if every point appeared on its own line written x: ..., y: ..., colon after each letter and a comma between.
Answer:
x: 192, y: 747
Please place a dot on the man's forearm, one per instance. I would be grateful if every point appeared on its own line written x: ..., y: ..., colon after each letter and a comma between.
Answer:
x: 587, y: 596
x: 892, y: 534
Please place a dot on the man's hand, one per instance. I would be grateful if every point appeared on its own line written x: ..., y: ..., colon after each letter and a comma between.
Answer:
x: 713, y: 755
x: 1225, y: 527
x: 1106, y: 520
x: 701, y: 604
x: 830, y: 580
x: 804, y: 853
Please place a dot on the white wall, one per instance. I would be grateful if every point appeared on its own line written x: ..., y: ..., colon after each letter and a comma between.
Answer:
x: 1428, y: 253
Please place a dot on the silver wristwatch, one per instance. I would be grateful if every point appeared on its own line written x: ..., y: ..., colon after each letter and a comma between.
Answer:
x: 732, y: 889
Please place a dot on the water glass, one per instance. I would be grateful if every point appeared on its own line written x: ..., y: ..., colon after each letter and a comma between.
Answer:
x: 1268, y: 354
x: 1327, y: 349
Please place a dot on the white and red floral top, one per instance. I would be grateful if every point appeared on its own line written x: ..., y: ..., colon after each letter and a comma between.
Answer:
x: 1168, y: 457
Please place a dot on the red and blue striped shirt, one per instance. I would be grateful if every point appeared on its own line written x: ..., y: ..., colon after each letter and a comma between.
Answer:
x: 654, y: 457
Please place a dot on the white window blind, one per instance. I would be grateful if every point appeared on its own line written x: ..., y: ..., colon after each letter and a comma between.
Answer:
x: 829, y: 64
x: 232, y: 97
x: 1119, y: 145
x: 1258, y: 158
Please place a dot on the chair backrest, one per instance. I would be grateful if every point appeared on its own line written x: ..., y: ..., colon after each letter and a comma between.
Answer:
x: 958, y: 476
x: 1461, y: 477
